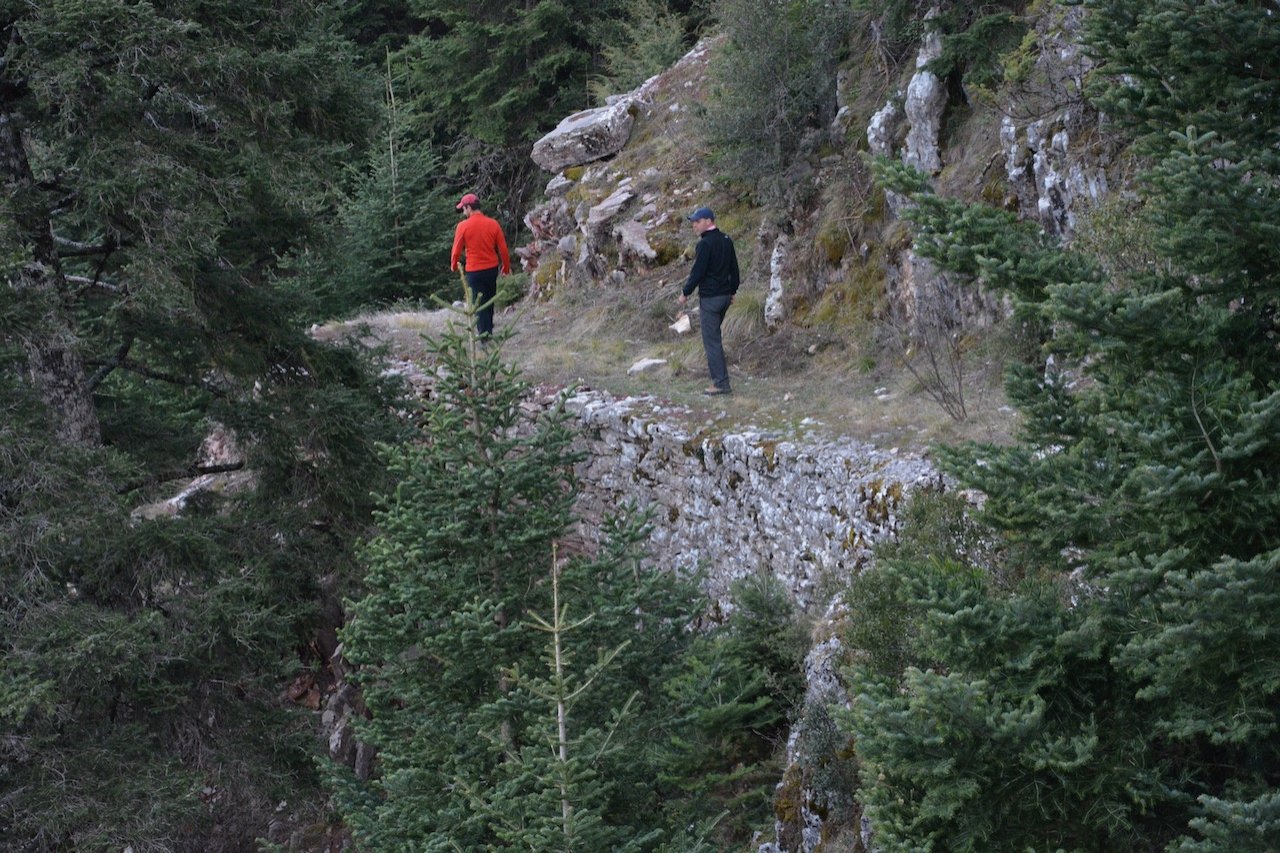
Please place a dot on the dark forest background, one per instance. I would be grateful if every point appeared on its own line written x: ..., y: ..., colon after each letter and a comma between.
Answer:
x: 1087, y: 663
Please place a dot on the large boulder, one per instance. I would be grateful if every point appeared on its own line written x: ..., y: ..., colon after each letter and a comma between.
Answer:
x: 586, y: 136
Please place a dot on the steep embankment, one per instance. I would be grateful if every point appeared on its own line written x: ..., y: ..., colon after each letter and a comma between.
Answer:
x: 849, y: 353
x: 839, y: 325
x: 843, y: 343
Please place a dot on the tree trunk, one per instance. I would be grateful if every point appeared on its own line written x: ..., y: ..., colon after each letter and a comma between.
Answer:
x: 53, y: 360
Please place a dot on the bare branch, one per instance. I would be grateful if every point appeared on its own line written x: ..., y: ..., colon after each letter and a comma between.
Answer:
x: 111, y: 364
x: 168, y: 474
x: 159, y: 375
x: 87, y: 283
x: 75, y: 249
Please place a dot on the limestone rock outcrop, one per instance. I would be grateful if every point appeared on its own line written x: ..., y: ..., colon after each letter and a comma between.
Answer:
x: 742, y: 502
x: 775, y: 308
x: 586, y: 136
x: 1055, y: 159
x: 591, y: 135
x: 925, y: 102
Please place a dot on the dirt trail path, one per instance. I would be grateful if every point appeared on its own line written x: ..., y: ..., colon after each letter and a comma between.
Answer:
x: 789, y: 382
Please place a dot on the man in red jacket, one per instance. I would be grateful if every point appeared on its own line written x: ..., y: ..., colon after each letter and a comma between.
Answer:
x: 480, y: 239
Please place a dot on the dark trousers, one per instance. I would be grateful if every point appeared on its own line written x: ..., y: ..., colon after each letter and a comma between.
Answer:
x: 484, y: 287
x: 711, y: 311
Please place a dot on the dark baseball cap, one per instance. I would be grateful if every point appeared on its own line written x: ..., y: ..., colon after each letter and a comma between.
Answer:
x: 701, y: 213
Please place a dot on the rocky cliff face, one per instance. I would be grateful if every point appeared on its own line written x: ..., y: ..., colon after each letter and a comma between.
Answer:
x: 627, y: 174
x: 804, y: 506
x: 743, y: 501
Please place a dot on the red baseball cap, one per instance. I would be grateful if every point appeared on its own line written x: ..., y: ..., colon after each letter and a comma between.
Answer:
x: 470, y: 199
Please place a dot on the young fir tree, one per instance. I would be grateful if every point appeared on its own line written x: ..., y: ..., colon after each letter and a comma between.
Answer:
x: 550, y: 795
x: 732, y: 701
x: 394, y: 229
x: 1111, y: 685
x: 462, y: 551
x: 155, y: 162
x: 478, y: 749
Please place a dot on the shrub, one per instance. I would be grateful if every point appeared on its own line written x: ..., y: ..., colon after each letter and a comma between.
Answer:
x: 776, y: 81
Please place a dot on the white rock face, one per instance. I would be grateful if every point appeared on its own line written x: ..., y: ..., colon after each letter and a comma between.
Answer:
x: 925, y: 103
x: 1043, y: 159
x: 775, y: 311
x: 585, y: 136
x: 883, y: 129
x: 743, y: 502
x: 1051, y: 173
x: 824, y: 687
x: 219, y: 449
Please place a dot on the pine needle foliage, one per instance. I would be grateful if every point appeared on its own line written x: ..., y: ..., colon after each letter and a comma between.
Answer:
x: 733, y: 701
x: 463, y: 543
x: 650, y: 37
x: 519, y: 701
x: 157, y: 161
x: 1111, y: 684
x: 557, y: 766
x: 775, y: 86
x: 393, y: 232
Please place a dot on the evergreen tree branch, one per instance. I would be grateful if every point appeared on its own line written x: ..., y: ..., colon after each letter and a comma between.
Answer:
x: 143, y: 370
x: 104, y: 370
x: 1195, y: 412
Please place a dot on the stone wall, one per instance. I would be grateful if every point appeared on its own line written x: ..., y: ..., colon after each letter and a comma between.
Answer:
x: 740, y: 502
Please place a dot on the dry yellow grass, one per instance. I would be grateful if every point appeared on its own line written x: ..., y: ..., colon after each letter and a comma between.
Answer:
x: 794, y: 381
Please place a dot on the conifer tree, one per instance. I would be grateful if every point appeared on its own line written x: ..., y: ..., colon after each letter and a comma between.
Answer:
x: 394, y: 228
x: 732, y: 699
x: 486, y: 80
x: 776, y: 83
x: 460, y: 559
x: 1111, y: 684
x: 156, y: 161
x: 549, y: 795
x: 499, y: 719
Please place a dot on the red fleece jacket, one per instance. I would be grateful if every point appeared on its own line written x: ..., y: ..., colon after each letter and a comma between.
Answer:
x: 480, y: 238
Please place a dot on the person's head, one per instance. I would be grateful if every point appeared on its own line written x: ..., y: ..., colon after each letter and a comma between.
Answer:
x: 702, y: 219
x: 469, y: 204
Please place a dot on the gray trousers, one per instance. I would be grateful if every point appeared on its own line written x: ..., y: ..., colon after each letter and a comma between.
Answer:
x: 711, y: 311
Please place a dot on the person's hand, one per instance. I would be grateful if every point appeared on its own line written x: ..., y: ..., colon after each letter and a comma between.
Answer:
x: 683, y: 299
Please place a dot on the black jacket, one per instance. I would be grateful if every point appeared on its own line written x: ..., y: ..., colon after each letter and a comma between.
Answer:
x: 715, y: 266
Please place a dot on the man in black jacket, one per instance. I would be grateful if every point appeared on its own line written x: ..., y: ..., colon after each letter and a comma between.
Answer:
x: 715, y: 277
